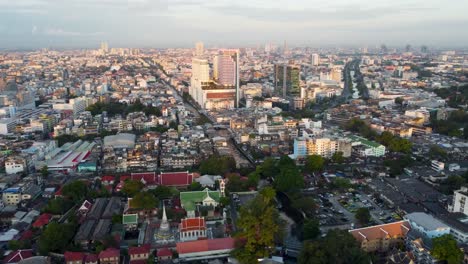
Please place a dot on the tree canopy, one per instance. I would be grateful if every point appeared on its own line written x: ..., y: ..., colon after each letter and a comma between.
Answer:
x: 363, y: 215
x: 338, y: 247
x: 56, y: 237
x: 132, y: 187
x: 258, y: 225
x: 76, y: 191
x: 217, y: 165
x: 445, y: 248
x: 310, y: 229
x: 144, y: 200
x: 289, y: 178
x: 314, y: 163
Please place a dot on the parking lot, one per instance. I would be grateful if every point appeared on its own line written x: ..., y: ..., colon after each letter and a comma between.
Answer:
x: 338, y: 210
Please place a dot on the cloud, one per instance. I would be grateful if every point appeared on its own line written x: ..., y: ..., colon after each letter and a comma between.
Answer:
x: 34, y: 29
x: 65, y: 33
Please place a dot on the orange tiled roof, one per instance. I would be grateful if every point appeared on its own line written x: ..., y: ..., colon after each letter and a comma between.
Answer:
x: 396, y: 229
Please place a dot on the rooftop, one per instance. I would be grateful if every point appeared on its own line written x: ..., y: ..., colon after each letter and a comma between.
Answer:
x: 427, y: 221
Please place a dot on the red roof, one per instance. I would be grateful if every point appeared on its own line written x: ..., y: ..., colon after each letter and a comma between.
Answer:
x: 73, y: 256
x: 42, y: 220
x: 107, y: 178
x: 395, y: 229
x: 205, y: 245
x: 164, y: 252
x: 145, y: 249
x: 189, y: 224
x: 18, y: 255
x: 124, y: 178
x: 109, y: 253
x: 148, y: 178
x: 175, y: 178
x: 91, y: 258
x: 27, y: 235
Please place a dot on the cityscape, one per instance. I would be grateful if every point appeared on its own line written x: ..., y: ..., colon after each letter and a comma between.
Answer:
x: 215, y: 151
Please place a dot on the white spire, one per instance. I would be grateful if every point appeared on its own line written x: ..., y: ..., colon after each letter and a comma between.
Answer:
x: 164, y: 224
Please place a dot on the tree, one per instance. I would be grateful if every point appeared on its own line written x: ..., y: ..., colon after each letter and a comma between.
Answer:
x: 289, y: 179
x: 305, y: 204
x: 132, y: 187
x: 258, y: 225
x: 445, y: 248
x: 385, y: 138
x: 314, y: 163
x: 44, y: 171
x: 312, y: 252
x: 216, y: 165
x: 76, y: 190
x: 399, y: 101
x: 338, y: 246
x: 224, y: 201
x: 268, y: 168
x: 195, y: 186
x: 363, y: 216
x: 310, y: 229
x: 55, y: 237
x: 340, y: 183
x: 337, y: 157
x: 19, y: 244
x: 163, y: 192
x: 144, y: 200
x: 58, y: 206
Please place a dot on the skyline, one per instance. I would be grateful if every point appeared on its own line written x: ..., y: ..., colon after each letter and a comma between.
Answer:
x: 30, y: 24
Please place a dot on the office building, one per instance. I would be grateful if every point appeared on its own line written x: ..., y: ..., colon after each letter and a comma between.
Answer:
x: 287, y: 80
x: 200, y: 74
x: 226, y: 72
x: 315, y: 59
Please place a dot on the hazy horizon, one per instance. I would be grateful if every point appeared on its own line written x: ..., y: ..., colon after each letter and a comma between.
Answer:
x: 32, y: 24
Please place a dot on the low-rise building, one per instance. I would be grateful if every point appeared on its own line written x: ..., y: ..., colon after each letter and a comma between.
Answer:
x: 381, y: 237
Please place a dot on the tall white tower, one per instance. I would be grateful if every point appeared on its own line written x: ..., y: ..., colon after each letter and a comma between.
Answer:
x: 200, y: 74
x: 199, y: 49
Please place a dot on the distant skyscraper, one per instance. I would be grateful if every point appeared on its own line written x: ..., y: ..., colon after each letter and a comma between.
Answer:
x: 199, y: 50
x: 227, y: 70
x: 285, y: 48
x: 315, y: 59
x: 104, y: 47
x: 287, y: 80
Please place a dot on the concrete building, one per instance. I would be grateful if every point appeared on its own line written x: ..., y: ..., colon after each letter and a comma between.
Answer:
x: 381, y: 238
x: 200, y: 75
x: 315, y: 59
x: 427, y: 225
x: 437, y: 165
x: 459, y: 204
x: 324, y: 147
x: 226, y: 72
x: 15, y: 165
x: 7, y: 125
x: 287, y: 80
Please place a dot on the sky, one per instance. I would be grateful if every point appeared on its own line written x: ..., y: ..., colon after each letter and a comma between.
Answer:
x: 231, y: 23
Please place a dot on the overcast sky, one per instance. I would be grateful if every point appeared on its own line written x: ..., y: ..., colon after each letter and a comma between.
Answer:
x: 230, y: 23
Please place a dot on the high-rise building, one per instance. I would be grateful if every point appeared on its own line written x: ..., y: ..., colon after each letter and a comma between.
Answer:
x: 104, y: 47
x: 226, y: 71
x: 199, y: 49
x: 200, y: 74
x: 315, y: 59
x: 287, y: 80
